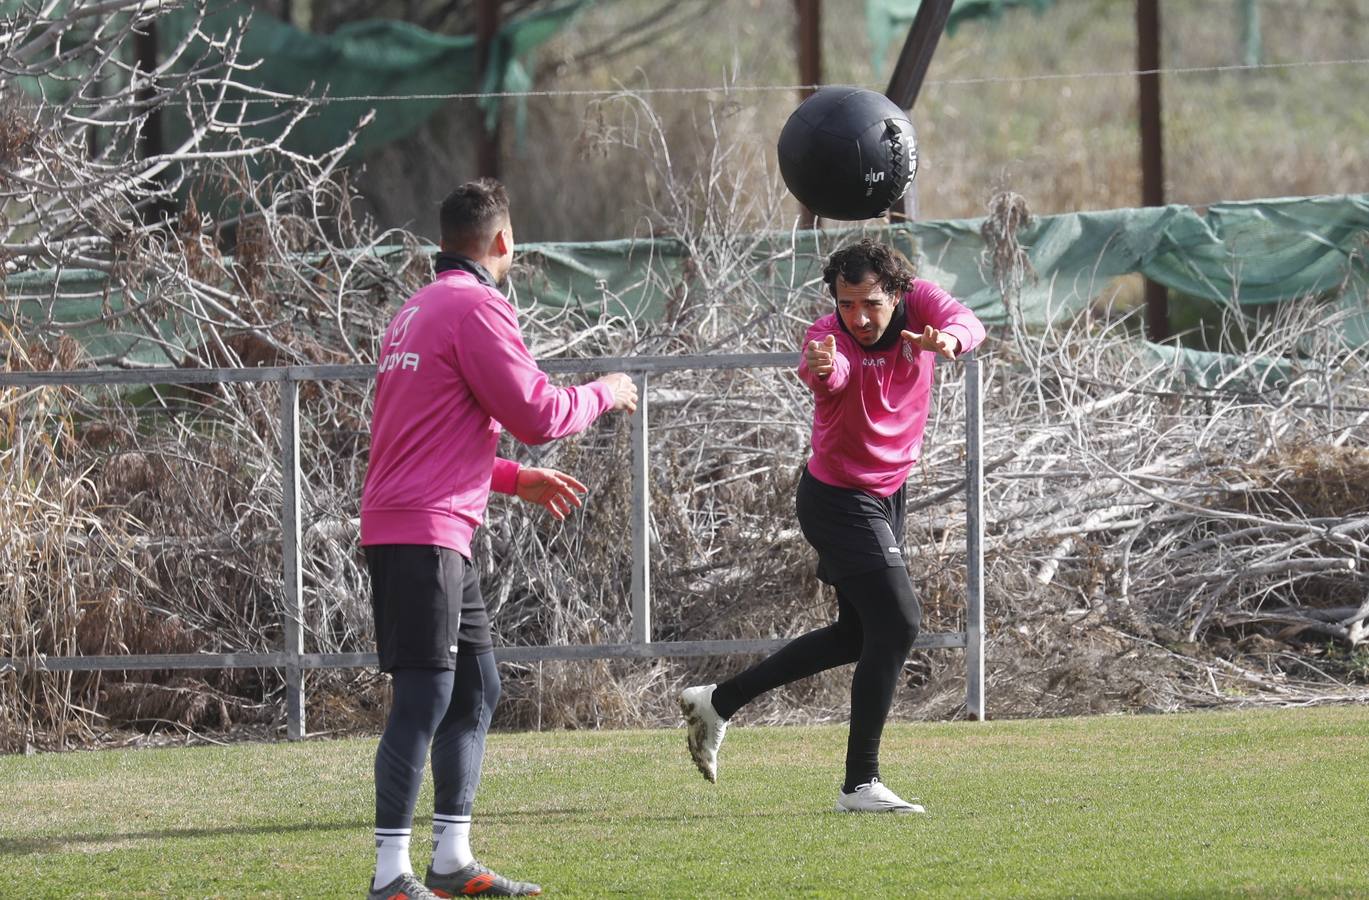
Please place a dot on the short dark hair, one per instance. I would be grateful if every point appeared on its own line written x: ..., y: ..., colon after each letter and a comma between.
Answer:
x: 857, y: 261
x: 472, y: 213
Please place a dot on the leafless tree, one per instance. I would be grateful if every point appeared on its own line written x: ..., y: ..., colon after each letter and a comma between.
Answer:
x: 186, y: 478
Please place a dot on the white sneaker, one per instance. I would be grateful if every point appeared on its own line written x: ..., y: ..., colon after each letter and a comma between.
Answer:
x: 874, y: 797
x: 705, y: 727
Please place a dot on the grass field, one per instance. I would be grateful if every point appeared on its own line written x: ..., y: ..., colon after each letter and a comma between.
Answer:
x: 1262, y: 804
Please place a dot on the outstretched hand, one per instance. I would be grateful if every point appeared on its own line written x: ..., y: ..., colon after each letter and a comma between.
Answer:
x: 556, y: 491
x: 941, y: 343
x: 821, y: 358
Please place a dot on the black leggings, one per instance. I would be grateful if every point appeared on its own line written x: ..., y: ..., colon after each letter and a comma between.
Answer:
x: 448, y: 710
x: 877, y: 621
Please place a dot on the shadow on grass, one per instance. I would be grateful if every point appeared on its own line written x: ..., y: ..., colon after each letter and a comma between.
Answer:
x: 53, y: 843
x: 57, y: 843
x: 685, y: 815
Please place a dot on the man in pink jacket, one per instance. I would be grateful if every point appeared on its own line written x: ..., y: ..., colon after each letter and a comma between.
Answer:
x: 869, y: 366
x: 453, y: 369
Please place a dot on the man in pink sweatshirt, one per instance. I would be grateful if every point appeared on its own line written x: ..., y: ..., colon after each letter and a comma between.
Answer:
x: 869, y: 366
x: 453, y: 369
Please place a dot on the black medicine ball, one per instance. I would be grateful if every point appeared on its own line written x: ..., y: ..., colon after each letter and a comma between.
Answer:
x: 848, y: 153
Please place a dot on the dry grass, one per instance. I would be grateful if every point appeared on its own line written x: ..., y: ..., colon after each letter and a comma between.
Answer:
x: 1066, y: 144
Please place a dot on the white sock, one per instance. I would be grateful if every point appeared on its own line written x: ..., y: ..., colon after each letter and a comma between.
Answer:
x: 451, y: 843
x: 392, y: 855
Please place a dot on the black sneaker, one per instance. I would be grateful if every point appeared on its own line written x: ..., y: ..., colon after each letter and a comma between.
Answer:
x: 405, y: 887
x: 476, y: 880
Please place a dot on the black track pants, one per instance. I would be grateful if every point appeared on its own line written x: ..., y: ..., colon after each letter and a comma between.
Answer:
x: 878, y: 616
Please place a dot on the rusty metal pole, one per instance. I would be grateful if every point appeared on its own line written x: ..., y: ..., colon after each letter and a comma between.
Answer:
x: 92, y: 131
x: 928, y: 25
x: 810, y: 69
x: 150, y: 135
x: 1152, y: 147
x: 909, y: 72
x: 487, y: 148
x: 150, y: 141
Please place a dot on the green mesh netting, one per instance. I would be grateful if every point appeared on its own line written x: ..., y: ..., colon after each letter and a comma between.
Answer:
x: 1254, y: 253
x: 370, y: 58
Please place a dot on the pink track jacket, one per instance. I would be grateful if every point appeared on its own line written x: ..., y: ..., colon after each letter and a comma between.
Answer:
x: 453, y: 369
x: 871, y: 410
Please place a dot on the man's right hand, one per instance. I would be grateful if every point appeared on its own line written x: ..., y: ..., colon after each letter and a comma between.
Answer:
x: 624, y: 390
x: 821, y: 358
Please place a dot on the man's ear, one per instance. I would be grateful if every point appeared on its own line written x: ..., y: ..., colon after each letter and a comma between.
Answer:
x: 502, y: 242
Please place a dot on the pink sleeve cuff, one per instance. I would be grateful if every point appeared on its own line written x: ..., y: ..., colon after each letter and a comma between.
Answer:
x: 504, y: 478
x: 604, y: 392
x: 833, y: 383
x: 962, y: 334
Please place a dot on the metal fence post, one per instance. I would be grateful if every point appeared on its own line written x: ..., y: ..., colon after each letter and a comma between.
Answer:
x: 641, y: 520
x: 293, y: 611
x: 974, y: 540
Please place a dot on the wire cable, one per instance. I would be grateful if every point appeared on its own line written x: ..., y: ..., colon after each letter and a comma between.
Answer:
x: 742, y: 89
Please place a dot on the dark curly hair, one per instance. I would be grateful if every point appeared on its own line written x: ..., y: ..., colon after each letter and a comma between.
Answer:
x: 856, y: 262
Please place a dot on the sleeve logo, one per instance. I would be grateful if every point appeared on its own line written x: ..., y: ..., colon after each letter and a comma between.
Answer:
x: 399, y: 332
x: 399, y: 328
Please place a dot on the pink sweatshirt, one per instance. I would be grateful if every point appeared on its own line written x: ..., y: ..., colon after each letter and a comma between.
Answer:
x: 453, y: 368
x: 870, y: 412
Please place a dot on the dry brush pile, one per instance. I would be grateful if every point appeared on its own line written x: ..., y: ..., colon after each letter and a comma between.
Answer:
x: 143, y: 521
x: 1169, y: 531
x: 1159, y: 536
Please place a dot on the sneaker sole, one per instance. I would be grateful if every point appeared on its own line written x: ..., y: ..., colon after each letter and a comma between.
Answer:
x: 897, y: 810
x: 484, y: 888
x: 444, y: 894
x: 693, y: 719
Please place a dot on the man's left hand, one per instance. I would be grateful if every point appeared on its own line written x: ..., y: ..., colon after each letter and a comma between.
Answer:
x: 556, y: 491
x: 939, y: 342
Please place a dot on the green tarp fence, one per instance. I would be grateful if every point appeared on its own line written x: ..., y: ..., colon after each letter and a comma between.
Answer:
x: 1253, y: 252
x: 369, y: 58
x: 888, y: 20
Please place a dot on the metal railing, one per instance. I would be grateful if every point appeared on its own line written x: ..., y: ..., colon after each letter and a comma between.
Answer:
x: 294, y: 661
